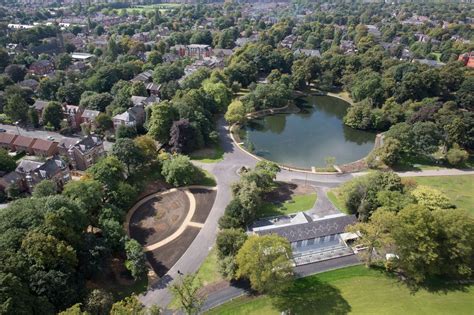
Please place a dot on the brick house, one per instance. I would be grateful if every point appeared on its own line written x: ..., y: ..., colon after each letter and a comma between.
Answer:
x: 24, y: 144
x: 39, y: 107
x: 73, y: 115
x: 89, y: 115
x: 6, y: 141
x: 33, y: 172
x: 41, y: 67
x: 83, y: 153
x: 44, y: 148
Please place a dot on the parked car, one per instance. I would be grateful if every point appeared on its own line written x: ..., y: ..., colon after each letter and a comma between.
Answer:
x: 50, y: 138
x: 2, y: 130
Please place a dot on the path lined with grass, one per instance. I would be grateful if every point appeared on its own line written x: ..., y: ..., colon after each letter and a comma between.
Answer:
x: 354, y: 290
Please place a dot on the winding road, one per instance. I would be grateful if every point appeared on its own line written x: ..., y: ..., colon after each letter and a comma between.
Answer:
x: 225, y: 173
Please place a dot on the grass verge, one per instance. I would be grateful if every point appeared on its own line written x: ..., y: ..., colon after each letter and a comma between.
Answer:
x: 208, y: 155
x: 207, y: 179
x: 335, y: 197
x: 296, y: 204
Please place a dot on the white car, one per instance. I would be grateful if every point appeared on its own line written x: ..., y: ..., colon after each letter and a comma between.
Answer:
x: 51, y: 138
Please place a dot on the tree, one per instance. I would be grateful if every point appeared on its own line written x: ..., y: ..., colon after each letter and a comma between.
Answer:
x: 431, y: 198
x: 89, y: 194
x: 103, y: 122
x: 45, y: 188
x: 135, y: 262
x: 48, y: 87
x: 15, y: 72
x: 235, y: 112
x: 74, y: 310
x: 160, y: 122
x: 63, y: 61
x: 389, y: 153
x: 186, y: 293
x: 16, y: 108
x: 464, y: 95
x: 98, y: 302
x: 70, y: 93
x: 7, y: 163
x: 53, y: 114
x: 33, y: 117
x: 374, y: 234
x: 167, y: 72
x: 267, y: 262
x: 125, y: 132
x: 147, y: 146
x: 96, y: 101
x: 456, y: 155
x: 359, y: 116
x: 128, y: 306
x: 219, y: 92
x: 229, y: 241
x: 179, y: 171
x: 183, y: 137
x: 128, y: 153
x: 138, y: 89
x: 109, y: 171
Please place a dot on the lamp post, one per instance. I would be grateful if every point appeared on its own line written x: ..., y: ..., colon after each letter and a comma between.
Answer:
x: 17, y: 129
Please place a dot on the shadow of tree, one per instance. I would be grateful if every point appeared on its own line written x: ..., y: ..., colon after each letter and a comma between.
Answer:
x: 311, y: 296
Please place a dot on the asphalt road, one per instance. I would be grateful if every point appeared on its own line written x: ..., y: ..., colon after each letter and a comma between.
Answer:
x: 43, y: 134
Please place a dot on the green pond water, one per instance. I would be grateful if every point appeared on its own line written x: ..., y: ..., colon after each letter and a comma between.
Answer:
x: 305, y: 139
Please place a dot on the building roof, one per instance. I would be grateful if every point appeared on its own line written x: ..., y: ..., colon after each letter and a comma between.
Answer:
x: 67, y: 143
x: 43, y: 145
x: 7, y: 138
x: 88, y: 143
x: 313, y: 229
x: 89, y: 113
x: 26, y: 166
x: 10, y: 178
x: 40, y: 105
x: 23, y: 141
x: 81, y: 56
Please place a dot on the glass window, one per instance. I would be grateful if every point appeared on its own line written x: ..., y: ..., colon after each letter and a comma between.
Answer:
x: 299, y: 243
x: 310, y: 242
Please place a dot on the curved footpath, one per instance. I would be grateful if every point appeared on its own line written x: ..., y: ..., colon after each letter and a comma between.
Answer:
x: 225, y: 173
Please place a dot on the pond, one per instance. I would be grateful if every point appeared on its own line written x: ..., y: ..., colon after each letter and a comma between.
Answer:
x: 307, y: 138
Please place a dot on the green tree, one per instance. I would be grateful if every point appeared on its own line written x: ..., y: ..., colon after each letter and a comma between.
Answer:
x: 7, y: 163
x: 456, y: 155
x: 219, y: 92
x: 128, y: 153
x: 109, y: 171
x: 464, y: 95
x: 235, y: 112
x: 103, y: 122
x: 63, y: 61
x: 98, y: 302
x: 128, y: 306
x: 89, y: 194
x: 179, y: 171
x: 229, y: 241
x: 96, y: 101
x: 48, y: 88
x: 160, y: 122
x: 15, y: 72
x: 147, y: 146
x: 70, y: 93
x: 186, y: 293
x: 138, y: 89
x: 135, y: 262
x: 45, y: 188
x: 74, y: 310
x: 431, y: 198
x: 16, y: 108
x: 53, y: 114
x: 267, y: 262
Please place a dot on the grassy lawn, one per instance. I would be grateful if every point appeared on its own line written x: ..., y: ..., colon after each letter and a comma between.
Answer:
x: 207, y: 180
x: 355, y: 290
x: 296, y: 204
x: 335, y: 197
x: 208, y: 273
x: 209, y: 155
x: 424, y: 163
x: 460, y: 189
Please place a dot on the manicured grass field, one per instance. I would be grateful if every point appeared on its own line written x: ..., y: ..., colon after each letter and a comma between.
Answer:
x: 207, y: 179
x: 460, y: 189
x: 354, y: 290
x: 296, y: 204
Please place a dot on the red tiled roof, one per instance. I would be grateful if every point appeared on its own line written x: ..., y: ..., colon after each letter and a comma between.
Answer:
x: 23, y: 141
x: 7, y: 138
x: 43, y: 145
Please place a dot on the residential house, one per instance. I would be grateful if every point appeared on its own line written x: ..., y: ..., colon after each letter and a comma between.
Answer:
x: 41, y: 67
x: 347, y: 46
x: 312, y: 239
x: 193, y: 51
x: 132, y: 117
x: 44, y: 148
x: 73, y: 115
x: 144, y: 77
x: 153, y: 89
x: 33, y: 172
x: 7, y: 140
x: 24, y: 144
x: 467, y: 59
x: 12, y: 179
x: 307, y: 52
x: 85, y: 152
x: 289, y: 41
x: 431, y: 63
x: 88, y: 115
x: 39, y: 106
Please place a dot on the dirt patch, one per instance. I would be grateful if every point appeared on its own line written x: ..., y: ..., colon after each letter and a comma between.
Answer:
x: 163, y: 258
x: 204, y: 201
x: 153, y: 187
x: 159, y: 217
x: 284, y: 191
